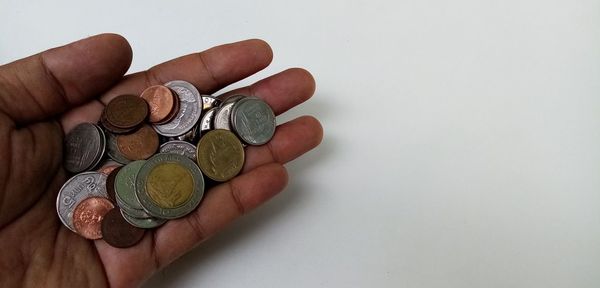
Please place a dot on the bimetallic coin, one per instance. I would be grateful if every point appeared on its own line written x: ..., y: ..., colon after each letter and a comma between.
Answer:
x: 253, y: 121
x: 161, y: 101
x: 138, y: 145
x: 179, y: 147
x: 77, y: 189
x: 220, y: 155
x: 87, y: 217
x: 117, y: 232
x: 145, y: 223
x: 169, y: 186
x: 125, y: 184
x: 207, y: 121
x: 112, y: 149
x: 222, y: 117
x: 126, y: 111
x: 84, y: 147
x: 189, y: 110
x: 209, y: 102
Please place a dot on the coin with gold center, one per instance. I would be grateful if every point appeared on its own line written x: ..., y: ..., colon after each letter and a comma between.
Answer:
x: 220, y: 155
x: 169, y: 186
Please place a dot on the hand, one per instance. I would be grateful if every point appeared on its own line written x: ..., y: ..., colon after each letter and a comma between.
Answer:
x: 45, y: 95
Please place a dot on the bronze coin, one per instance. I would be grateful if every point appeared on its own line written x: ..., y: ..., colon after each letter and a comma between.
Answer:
x: 112, y: 128
x: 161, y: 102
x: 88, y: 215
x: 126, y: 111
x: 108, y: 168
x: 174, y: 111
x: 110, y: 184
x: 117, y: 232
x: 138, y: 145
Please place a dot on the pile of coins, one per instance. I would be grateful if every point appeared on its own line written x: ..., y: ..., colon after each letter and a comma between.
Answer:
x: 150, y: 157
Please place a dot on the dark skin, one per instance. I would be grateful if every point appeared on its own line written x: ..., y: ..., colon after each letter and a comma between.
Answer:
x: 45, y: 95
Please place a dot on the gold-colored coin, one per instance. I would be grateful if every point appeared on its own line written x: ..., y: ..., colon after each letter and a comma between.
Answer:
x: 170, y: 185
x: 220, y: 155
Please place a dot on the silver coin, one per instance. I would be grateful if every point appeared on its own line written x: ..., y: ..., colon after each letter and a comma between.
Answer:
x: 84, y: 147
x: 112, y: 150
x: 253, y: 120
x: 209, y: 102
x: 206, y: 123
x: 143, y: 185
x: 189, y: 110
x: 125, y: 184
x: 179, y: 147
x: 191, y: 136
x: 145, y: 223
x: 138, y: 213
x: 222, y: 117
x: 77, y: 189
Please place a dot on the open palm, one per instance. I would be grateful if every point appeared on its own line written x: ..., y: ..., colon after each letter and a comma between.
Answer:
x: 46, y: 95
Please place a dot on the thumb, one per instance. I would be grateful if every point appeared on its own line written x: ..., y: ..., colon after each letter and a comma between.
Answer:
x: 46, y: 84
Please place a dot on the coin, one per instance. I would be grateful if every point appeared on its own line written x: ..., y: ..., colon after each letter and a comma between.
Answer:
x: 112, y: 129
x: 222, y: 117
x: 206, y: 123
x: 84, y: 147
x: 179, y: 147
x: 191, y: 136
x: 189, y: 110
x: 75, y: 190
x: 138, y: 145
x: 161, y: 102
x: 88, y: 214
x: 126, y: 111
x: 169, y: 186
x: 125, y: 184
x: 253, y: 121
x: 209, y: 102
x: 110, y: 184
x: 220, y: 155
x: 117, y: 232
x: 112, y: 149
x: 108, y: 166
x: 146, y: 223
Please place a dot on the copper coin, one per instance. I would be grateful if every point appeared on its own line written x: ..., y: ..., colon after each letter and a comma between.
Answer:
x: 161, y: 102
x: 174, y: 111
x: 126, y: 111
x: 88, y: 215
x: 117, y: 232
x: 108, y: 168
x: 110, y: 184
x: 111, y: 128
x: 138, y: 145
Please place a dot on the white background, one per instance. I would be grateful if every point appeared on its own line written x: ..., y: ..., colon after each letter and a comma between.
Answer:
x: 462, y: 138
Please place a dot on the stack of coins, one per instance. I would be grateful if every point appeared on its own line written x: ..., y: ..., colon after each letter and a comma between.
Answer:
x: 150, y: 157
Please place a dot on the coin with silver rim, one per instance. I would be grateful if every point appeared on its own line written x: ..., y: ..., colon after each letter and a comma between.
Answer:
x: 146, y: 223
x: 189, y: 113
x: 75, y: 190
x: 180, y: 147
x: 125, y: 184
x: 169, y: 213
x: 112, y: 149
